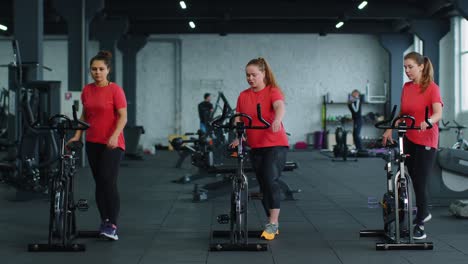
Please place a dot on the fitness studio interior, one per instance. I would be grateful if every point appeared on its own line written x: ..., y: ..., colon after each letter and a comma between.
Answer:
x: 233, y: 131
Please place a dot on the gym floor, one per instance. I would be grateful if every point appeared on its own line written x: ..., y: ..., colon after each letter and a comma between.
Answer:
x: 159, y: 223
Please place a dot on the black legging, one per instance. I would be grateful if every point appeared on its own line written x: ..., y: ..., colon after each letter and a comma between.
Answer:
x: 357, y: 125
x: 419, y: 163
x: 268, y: 164
x: 104, y: 163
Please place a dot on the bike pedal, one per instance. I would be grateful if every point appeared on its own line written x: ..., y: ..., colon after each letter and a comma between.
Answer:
x: 223, y: 219
x: 82, y: 205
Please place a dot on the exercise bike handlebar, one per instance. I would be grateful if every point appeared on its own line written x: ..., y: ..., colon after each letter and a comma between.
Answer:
x: 63, y: 122
x: 217, y: 122
x: 391, y: 123
x: 457, y: 125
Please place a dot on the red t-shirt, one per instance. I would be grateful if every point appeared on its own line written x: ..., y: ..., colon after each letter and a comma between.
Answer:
x: 247, y: 104
x: 100, y: 105
x: 414, y: 103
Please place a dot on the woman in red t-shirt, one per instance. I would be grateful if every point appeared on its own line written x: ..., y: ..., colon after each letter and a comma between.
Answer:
x: 421, y: 145
x: 268, y: 146
x: 105, y: 109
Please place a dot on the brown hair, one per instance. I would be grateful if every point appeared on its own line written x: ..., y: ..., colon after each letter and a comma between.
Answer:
x: 264, y: 67
x: 103, y: 55
x: 428, y: 71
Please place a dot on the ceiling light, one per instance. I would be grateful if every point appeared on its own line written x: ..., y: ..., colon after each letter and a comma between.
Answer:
x: 339, y: 24
x: 362, y: 5
x: 191, y: 24
x: 183, y: 5
x: 3, y: 27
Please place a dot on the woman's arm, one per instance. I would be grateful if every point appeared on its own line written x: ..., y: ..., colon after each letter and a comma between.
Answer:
x: 280, y: 110
x: 78, y: 133
x: 435, y: 117
x: 437, y: 112
x: 121, y: 122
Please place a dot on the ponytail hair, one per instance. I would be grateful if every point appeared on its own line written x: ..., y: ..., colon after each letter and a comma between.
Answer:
x: 103, y: 55
x: 427, y: 75
x: 264, y: 67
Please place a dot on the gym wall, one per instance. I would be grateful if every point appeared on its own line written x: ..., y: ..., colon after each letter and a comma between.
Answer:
x: 306, y: 66
x: 447, y: 86
x: 55, y: 57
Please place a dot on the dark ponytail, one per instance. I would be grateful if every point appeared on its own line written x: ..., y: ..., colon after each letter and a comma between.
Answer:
x: 105, y: 56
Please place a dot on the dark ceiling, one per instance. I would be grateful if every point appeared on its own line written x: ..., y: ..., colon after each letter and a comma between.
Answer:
x: 260, y: 16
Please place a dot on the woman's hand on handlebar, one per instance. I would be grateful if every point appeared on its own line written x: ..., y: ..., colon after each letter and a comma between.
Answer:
x: 276, y: 125
x: 387, y: 137
x: 423, y: 126
x: 73, y: 139
x: 234, y: 143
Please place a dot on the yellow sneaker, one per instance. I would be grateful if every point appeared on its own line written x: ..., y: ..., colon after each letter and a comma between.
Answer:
x: 271, y: 230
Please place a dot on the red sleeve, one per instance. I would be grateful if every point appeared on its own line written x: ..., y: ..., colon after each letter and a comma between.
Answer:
x: 119, y: 98
x: 83, y: 95
x: 402, y: 98
x: 276, y: 95
x: 435, y: 95
x: 239, y: 104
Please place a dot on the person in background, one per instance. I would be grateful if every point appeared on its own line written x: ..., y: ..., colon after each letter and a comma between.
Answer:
x: 354, y: 105
x: 268, y: 146
x: 420, y: 145
x: 205, y: 109
x: 105, y: 109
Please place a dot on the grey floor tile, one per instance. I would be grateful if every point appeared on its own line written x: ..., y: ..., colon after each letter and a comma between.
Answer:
x: 160, y: 224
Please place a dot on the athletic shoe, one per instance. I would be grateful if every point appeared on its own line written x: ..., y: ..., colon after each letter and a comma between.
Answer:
x: 110, y: 232
x: 425, y: 219
x: 102, y: 226
x: 419, y: 232
x: 271, y: 230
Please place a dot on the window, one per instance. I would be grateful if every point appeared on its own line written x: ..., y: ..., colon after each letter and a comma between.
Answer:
x: 464, y: 64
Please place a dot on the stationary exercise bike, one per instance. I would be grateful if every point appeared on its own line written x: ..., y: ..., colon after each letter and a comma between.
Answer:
x: 62, y: 219
x: 461, y: 142
x: 397, y: 201
x: 238, y: 233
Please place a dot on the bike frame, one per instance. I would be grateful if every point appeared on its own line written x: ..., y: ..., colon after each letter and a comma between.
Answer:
x: 239, y: 232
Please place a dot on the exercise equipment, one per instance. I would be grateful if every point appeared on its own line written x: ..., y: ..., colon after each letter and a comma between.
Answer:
x: 461, y: 142
x: 206, y: 149
x: 62, y: 218
x: 341, y: 150
x: 397, y: 202
x: 32, y: 154
x: 220, y: 187
x: 238, y: 233
x: 459, y: 208
x: 133, y: 150
x: 201, y: 150
x: 4, y: 113
x: 449, y: 180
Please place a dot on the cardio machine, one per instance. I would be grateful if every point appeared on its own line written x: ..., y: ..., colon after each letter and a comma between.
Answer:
x: 62, y: 219
x: 341, y: 150
x: 238, y: 233
x: 449, y: 182
x: 397, y: 202
x: 461, y: 142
